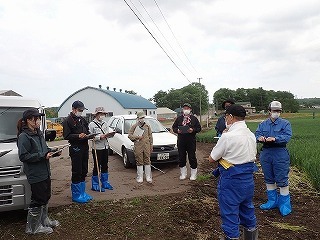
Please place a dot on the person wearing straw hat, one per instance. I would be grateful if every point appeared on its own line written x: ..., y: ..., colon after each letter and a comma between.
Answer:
x: 35, y: 155
x: 100, y: 146
x: 140, y: 133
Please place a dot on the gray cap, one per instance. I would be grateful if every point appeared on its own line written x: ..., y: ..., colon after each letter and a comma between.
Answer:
x: 187, y: 105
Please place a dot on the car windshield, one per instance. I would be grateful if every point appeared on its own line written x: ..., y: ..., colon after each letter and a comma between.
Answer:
x: 155, y: 125
x: 8, y: 123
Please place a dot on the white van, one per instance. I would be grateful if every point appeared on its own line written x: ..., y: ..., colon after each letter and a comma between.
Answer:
x: 15, y: 190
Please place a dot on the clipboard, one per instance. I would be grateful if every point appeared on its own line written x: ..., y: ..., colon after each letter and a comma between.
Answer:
x: 92, y: 135
x: 138, y: 131
x: 57, y: 153
x: 184, y: 129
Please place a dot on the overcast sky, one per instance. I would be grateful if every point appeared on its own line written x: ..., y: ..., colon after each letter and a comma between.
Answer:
x: 51, y: 48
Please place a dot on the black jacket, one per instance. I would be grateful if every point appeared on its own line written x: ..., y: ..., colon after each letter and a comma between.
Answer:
x: 194, y: 124
x: 32, y: 149
x: 72, y: 127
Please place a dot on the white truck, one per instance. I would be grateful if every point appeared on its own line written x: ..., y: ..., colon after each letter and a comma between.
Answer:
x: 15, y: 190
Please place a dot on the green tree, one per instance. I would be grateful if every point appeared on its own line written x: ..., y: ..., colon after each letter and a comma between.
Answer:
x: 258, y: 97
x: 52, y: 112
x: 191, y: 93
x: 223, y: 94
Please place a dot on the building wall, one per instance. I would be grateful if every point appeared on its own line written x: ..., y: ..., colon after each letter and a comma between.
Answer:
x: 94, y: 98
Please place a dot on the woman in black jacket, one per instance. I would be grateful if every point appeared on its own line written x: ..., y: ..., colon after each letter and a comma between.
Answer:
x: 35, y: 155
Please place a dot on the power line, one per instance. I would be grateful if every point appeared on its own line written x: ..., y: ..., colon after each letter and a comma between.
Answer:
x: 146, y: 22
x: 175, y: 37
x: 163, y: 35
x: 156, y: 41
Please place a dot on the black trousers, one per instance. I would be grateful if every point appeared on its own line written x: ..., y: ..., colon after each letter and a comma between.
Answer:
x: 186, y: 145
x: 40, y: 193
x: 79, y: 155
x: 102, y: 155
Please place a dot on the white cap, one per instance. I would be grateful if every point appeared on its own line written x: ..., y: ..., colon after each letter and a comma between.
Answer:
x: 275, y: 105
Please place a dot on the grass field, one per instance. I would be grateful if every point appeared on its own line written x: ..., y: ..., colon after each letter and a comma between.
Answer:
x: 304, y: 146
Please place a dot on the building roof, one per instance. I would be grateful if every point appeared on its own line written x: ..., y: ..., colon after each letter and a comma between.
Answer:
x: 9, y: 93
x: 165, y: 110
x: 126, y: 100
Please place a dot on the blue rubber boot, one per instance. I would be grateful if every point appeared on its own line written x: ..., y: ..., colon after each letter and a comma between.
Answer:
x: 76, y: 190
x: 95, y: 184
x: 104, y: 181
x: 284, y: 205
x: 272, y: 200
x: 83, y: 192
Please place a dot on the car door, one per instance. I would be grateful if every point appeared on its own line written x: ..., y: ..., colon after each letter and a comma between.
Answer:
x: 118, y: 137
x: 112, y: 141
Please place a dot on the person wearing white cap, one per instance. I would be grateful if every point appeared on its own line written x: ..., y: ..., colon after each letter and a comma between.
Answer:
x: 275, y: 133
x: 100, y: 148
x: 143, y: 146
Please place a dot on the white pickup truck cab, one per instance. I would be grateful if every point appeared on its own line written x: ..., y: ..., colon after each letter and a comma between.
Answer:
x: 15, y: 190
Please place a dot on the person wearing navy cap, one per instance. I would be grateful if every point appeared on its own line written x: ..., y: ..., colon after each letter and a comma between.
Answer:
x: 76, y: 131
x: 236, y: 152
x: 35, y: 155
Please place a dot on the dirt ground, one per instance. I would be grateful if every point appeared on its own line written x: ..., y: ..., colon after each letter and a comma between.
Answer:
x: 122, y: 180
x: 168, y: 209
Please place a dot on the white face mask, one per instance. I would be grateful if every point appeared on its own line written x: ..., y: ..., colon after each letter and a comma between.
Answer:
x: 275, y: 115
x: 78, y: 114
x: 186, y: 111
x: 141, y: 121
x: 101, y: 118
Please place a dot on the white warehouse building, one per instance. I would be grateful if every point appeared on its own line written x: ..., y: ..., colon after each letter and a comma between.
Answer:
x: 115, y: 103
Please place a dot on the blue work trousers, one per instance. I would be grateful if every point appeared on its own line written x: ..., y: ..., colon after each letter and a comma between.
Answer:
x: 235, y: 195
x: 275, y: 163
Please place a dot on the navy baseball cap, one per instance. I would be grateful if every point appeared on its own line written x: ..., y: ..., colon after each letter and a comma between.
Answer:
x: 236, y: 110
x: 78, y: 105
x: 31, y: 112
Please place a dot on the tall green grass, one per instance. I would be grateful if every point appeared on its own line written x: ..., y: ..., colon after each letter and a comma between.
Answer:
x: 304, y: 147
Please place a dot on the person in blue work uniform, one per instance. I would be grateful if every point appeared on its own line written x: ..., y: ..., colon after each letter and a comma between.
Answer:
x: 275, y: 133
x: 221, y: 123
x: 236, y: 153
